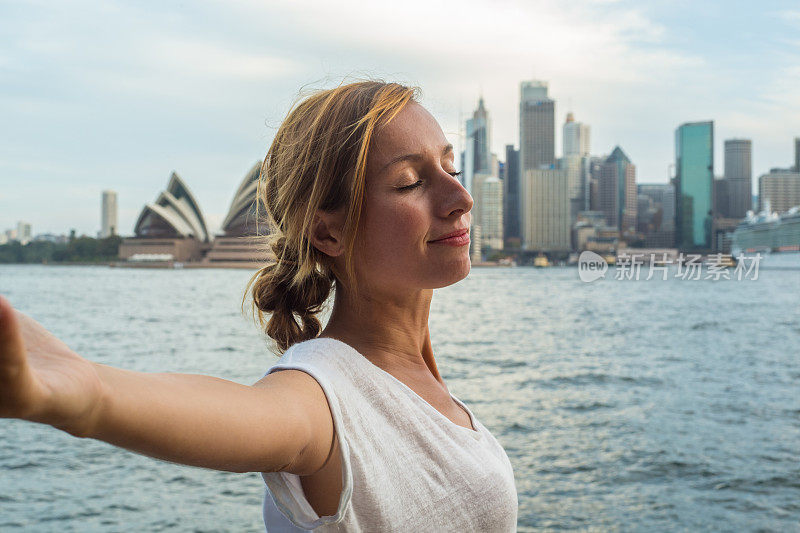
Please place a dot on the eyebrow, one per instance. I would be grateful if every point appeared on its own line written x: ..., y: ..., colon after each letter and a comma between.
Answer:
x: 414, y: 157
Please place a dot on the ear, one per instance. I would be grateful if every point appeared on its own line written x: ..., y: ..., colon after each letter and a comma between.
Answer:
x: 327, y: 232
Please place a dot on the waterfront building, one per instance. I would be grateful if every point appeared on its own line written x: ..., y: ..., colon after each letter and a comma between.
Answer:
x: 657, y: 221
x: 243, y: 242
x: 576, y: 137
x: 511, y: 199
x: 797, y: 154
x: 477, y: 156
x: 779, y: 190
x: 546, y: 223
x: 536, y: 127
x: 108, y: 214
x: 720, y: 197
x: 171, y: 228
x: 23, y: 233
x: 738, y: 182
x: 492, y: 214
x: 52, y: 237
x: 476, y: 219
x: 617, y: 192
x: 479, y: 163
x: 694, y: 177
x: 475, y: 248
x: 576, y: 171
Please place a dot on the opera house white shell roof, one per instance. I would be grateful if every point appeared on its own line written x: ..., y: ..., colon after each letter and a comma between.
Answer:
x: 241, y: 217
x: 175, y: 213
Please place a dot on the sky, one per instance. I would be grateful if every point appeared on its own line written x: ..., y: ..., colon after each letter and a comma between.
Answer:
x: 117, y: 95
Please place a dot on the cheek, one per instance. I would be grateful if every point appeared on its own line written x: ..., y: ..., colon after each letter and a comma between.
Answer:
x: 400, y: 224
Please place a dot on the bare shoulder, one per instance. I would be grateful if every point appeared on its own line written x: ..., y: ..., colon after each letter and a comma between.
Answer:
x: 303, y: 397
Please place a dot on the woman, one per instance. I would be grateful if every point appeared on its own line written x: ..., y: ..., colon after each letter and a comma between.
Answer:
x: 353, y: 429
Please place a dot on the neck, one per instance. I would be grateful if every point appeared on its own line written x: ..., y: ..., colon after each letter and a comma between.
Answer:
x: 388, y: 329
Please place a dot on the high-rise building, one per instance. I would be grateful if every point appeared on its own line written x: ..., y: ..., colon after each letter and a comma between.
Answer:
x: 797, y: 154
x: 662, y: 194
x: 694, y: 181
x: 721, y: 202
x: 108, y: 215
x: 577, y: 163
x: 657, y: 220
x: 477, y: 197
x: 738, y: 177
x: 576, y: 137
x: 478, y: 161
x: 477, y: 156
x: 492, y: 214
x: 573, y: 166
x: 546, y: 224
x: 536, y: 126
x: 23, y: 232
x: 511, y: 198
x: 617, y: 191
x: 594, y: 168
x: 779, y: 190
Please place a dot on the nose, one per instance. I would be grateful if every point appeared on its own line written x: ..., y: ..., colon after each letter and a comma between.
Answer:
x: 455, y: 199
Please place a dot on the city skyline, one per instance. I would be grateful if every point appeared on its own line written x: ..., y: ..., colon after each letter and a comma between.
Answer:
x: 156, y: 98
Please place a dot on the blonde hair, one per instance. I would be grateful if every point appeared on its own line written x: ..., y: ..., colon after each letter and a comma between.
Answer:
x: 317, y: 160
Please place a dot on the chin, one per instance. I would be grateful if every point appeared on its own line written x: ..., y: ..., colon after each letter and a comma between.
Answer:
x: 452, y: 273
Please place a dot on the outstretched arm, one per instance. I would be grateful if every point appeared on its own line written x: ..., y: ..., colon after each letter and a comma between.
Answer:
x: 282, y: 423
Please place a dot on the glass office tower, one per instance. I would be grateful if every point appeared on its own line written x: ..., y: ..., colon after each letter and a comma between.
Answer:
x: 694, y: 179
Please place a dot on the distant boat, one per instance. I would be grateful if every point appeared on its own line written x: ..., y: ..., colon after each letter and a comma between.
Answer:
x: 541, y: 261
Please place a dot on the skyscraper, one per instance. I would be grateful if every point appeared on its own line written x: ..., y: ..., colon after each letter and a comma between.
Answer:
x: 617, y: 192
x: 23, y: 234
x: 536, y: 126
x: 108, y: 215
x: 694, y: 180
x: 658, y: 221
x: 797, y: 154
x: 477, y: 155
x: 738, y: 177
x: 511, y: 198
x: 492, y: 213
x: 546, y: 224
x: 576, y: 137
x: 779, y: 190
x: 576, y: 162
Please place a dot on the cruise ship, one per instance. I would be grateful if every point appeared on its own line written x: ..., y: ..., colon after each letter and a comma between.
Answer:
x: 776, y: 237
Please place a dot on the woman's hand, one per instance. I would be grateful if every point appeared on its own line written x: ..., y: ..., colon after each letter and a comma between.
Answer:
x: 41, y: 379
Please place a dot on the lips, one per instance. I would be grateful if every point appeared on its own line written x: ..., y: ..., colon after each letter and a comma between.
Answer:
x: 457, y: 233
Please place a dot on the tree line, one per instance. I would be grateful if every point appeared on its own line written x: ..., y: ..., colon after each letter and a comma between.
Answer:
x: 81, y: 249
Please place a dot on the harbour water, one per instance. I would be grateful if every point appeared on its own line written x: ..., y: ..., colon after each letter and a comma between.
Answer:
x: 623, y: 405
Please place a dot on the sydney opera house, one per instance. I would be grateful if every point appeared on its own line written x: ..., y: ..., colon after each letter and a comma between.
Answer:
x: 172, y: 231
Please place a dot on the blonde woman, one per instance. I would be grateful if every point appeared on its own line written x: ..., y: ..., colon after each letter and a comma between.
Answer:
x: 353, y: 429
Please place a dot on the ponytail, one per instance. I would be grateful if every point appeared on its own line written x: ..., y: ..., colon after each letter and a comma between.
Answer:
x: 292, y: 301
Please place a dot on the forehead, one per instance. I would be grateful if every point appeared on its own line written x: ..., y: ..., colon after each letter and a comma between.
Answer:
x: 412, y: 131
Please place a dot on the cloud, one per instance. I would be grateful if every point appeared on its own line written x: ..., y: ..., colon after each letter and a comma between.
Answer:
x: 120, y: 93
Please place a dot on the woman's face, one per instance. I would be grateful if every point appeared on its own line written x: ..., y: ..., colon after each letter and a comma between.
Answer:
x: 412, y: 199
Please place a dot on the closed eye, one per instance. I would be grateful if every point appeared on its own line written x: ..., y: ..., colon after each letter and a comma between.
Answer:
x: 412, y: 186
x: 419, y: 182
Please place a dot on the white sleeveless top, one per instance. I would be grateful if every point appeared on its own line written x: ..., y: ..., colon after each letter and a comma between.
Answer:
x: 405, y: 466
